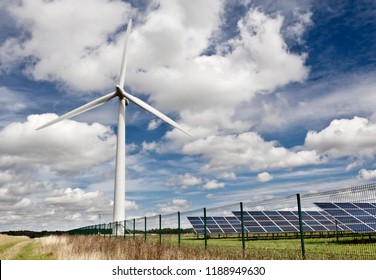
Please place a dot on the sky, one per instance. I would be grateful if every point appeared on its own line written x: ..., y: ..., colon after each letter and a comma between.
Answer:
x: 278, y: 95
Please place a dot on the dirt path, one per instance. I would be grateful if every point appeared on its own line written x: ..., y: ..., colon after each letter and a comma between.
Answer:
x: 21, y: 248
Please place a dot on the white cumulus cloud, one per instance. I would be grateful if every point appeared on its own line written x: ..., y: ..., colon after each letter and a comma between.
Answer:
x: 59, y: 51
x: 367, y: 174
x: 344, y: 137
x: 213, y: 184
x: 247, y: 150
x: 65, y: 147
x: 264, y: 177
x: 175, y: 205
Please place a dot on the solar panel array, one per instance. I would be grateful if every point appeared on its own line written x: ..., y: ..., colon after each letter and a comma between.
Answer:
x: 218, y: 225
x: 266, y: 222
x: 286, y: 221
x: 357, y: 217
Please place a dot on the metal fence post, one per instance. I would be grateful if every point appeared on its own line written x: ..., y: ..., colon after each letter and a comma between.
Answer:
x: 116, y: 229
x: 160, y: 229
x: 205, y: 231
x: 145, y: 228
x: 134, y: 228
x: 242, y: 222
x: 301, y: 226
x: 179, y: 232
x: 125, y: 227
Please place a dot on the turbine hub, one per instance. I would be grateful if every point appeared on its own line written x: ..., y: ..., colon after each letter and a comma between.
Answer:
x: 120, y: 93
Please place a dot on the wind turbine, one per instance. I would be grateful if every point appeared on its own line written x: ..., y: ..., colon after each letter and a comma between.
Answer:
x: 124, y: 98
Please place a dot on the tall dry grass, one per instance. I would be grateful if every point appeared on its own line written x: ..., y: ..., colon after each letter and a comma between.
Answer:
x: 100, y: 248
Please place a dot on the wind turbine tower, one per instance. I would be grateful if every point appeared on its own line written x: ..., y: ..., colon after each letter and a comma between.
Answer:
x: 124, y: 99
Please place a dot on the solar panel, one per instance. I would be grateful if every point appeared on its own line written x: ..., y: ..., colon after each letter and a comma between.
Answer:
x: 287, y: 221
x: 357, y: 217
x: 284, y: 221
x: 215, y: 225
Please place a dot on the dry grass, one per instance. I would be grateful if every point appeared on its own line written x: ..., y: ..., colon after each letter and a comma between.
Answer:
x: 99, y: 248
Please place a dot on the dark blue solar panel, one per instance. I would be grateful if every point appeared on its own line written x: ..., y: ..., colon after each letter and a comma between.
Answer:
x: 325, y: 205
x: 272, y: 229
x: 226, y: 226
x: 371, y: 211
x: 345, y: 205
x: 347, y: 220
x: 356, y: 217
x: 319, y: 228
x: 327, y: 222
x: 261, y: 218
x: 367, y: 219
x: 307, y: 218
x: 312, y: 223
x: 295, y: 223
x: 364, y: 205
x: 356, y: 212
x: 247, y: 218
x: 286, y: 221
x: 336, y: 212
x: 212, y: 226
x: 271, y: 213
x: 292, y: 218
x: 266, y: 223
x: 239, y: 229
x: 286, y: 213
x: 256, y: 213
x: 372, y: 226
x: 233, y: 220
x: 277, y: 218
x: 359, y: 227
x: 331, y: 227
x: 229, y: 230
x: 220, y: 219
x: 283, y: 223
x: 289, y: 228
x: 256, y: 229
x: 307, y: 228
x: 251, y: 224
x: 312, y: 213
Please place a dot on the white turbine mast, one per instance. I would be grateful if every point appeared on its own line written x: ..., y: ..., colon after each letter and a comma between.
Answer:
x: 124, y: 98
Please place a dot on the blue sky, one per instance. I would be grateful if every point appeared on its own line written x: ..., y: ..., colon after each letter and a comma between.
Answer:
x: 278, y: 95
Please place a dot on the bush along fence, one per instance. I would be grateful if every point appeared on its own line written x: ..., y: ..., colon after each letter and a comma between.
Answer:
x: 339, y: 224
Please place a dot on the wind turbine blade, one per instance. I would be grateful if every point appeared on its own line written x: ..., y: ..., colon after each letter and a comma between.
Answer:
x: 153, y: 111
x: 124, y: 58
x: 79, y: 110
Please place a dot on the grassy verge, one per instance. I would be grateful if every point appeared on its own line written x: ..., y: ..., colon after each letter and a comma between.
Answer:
x: 32, y: 250
x: 21, y: 248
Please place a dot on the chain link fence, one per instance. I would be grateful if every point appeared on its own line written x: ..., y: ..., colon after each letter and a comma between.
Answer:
x: 338, y: 224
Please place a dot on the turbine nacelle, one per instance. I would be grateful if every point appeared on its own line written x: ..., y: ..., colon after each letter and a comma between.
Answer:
x: 120, y: 93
